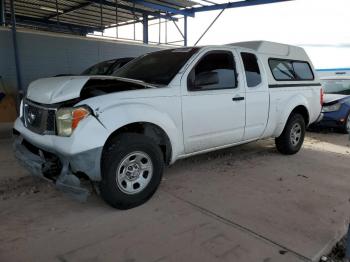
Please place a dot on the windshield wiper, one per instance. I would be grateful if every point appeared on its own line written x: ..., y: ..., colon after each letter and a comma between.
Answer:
x: 137, y: 81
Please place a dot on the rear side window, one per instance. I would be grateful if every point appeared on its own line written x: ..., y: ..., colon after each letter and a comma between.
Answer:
x: 251, y: 67
x: 290, y: 70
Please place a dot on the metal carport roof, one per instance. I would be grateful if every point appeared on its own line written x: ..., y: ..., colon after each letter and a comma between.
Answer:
x: 84, y: 16
x: 92, y: 15
x: 87, y: 16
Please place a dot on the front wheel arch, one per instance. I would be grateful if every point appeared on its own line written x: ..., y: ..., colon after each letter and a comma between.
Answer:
x: 150, y: 130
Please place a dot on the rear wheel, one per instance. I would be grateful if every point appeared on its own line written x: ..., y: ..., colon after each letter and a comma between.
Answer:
x: 292, y: 137
x: 132, y: 168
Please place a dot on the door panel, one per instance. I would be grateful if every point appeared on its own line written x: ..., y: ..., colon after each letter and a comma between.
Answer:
x: 257, y: 96
x: 257, y: 113
x: 210, y: 117
x: 212, y: 120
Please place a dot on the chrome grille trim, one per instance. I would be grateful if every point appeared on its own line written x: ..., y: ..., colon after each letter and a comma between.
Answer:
x: 38, y: 118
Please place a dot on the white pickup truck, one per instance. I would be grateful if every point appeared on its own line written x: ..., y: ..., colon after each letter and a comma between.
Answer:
x: 119, y: 131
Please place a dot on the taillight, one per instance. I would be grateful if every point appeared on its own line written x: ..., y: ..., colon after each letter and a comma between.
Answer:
x: 321, y: 96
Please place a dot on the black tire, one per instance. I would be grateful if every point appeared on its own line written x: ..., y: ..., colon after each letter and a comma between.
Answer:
x: 118, y: 149
x: 284, y: 143
x: 344, y: 129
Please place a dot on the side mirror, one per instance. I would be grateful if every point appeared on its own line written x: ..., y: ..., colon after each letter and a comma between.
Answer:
x: 205, y: 79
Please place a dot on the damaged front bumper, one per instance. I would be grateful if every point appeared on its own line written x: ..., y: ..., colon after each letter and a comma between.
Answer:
x: 37, y: 164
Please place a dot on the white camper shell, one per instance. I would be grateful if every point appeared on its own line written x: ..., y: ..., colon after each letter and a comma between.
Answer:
x: 270, y: 50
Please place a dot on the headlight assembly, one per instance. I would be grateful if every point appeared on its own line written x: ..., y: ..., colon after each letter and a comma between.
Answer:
x: 68, y: 118
x: 331, y: 108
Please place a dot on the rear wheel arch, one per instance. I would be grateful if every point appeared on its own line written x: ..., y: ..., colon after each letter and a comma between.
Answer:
x: 291, y: 139
x: 302, y: 110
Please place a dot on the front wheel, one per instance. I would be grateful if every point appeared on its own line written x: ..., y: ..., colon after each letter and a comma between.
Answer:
x: 292, y: 137
x: 132, y: 168
x: 346, y: 127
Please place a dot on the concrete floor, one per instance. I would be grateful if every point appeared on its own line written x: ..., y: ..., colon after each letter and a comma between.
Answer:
x: 247, y: 203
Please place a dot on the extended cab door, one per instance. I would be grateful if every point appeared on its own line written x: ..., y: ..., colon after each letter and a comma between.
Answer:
x: 213, y: 101
x: 257, y: 96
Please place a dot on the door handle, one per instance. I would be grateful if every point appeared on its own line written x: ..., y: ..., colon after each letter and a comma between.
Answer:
x: 238, y: 98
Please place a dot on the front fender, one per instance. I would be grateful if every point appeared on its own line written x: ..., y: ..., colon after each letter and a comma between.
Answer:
x: 285, y: 108
x: 117, y: 116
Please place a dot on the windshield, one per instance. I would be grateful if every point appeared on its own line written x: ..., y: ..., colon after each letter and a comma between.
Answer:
x: 118, y: 64
x: 336, y: 86
x: 99, y: 69
x: 157, y: 68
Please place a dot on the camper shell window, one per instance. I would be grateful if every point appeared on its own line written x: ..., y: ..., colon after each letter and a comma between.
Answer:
x: 290, y: 70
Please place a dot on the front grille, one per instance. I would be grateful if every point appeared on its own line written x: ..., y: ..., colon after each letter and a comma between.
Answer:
x: 51, y: 120
x: 38, y: 118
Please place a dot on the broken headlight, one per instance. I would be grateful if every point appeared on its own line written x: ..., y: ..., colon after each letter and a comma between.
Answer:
x: 68, y: 118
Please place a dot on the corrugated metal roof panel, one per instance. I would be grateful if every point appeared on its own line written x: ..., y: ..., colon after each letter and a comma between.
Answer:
x: 88, y: 12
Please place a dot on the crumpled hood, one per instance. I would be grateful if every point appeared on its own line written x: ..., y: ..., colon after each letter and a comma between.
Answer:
x: 328, y: 98
x: 58, y: 89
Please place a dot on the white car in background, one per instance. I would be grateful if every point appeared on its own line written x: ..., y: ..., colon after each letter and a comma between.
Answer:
x: 119, y: 131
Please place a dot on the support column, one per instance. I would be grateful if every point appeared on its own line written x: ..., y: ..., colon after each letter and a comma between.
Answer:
x: 15, y: 48
x: 145, y: 29
x: 185, y: 30
x: 2, y: 12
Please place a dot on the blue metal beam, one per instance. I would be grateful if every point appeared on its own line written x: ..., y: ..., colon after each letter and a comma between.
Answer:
x: 232, y: 5
x: 163, y: 8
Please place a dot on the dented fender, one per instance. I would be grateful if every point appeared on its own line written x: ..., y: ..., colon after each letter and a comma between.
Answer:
x: 118, y: 115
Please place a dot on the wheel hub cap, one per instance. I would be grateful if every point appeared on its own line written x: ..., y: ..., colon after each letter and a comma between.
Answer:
x: 295, y: 134
x: 134, y: 172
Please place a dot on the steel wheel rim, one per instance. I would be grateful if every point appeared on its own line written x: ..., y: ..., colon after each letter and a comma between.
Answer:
x: 134, y: 172
x: 348, y: 124
x: 295, y: 134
